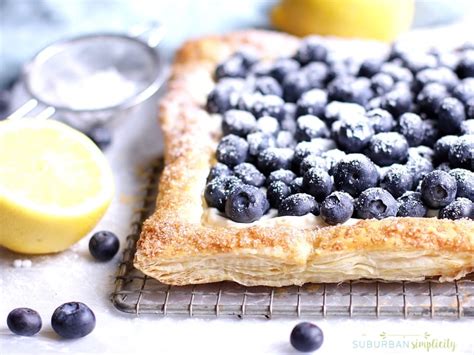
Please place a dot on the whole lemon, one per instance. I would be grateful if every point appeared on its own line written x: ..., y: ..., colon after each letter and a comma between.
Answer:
x: 376, y: 19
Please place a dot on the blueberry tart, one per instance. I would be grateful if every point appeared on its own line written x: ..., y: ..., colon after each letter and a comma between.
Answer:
x: 287, y: 162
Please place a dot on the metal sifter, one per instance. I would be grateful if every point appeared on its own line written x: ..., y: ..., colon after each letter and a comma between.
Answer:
x: 90, y: 79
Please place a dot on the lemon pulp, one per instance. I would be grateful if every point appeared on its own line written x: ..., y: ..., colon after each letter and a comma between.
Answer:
x: 55, y: 185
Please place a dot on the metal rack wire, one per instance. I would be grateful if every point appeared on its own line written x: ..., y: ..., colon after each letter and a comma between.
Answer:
x: 136, y: 293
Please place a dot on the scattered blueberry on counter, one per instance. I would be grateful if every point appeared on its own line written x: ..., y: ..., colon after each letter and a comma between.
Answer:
x: 24, y: 321
x: 73, y: 320
x: 306, y: 337
x: 104, y: 245
x: 321, y: 134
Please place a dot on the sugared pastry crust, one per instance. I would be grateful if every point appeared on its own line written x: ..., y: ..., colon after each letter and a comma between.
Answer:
x: 182, y: 244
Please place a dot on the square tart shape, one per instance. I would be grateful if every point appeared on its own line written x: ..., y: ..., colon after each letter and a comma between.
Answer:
x: 176, y: 247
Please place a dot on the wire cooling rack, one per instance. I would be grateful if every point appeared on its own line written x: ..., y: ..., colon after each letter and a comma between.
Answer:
x: 139, y: 294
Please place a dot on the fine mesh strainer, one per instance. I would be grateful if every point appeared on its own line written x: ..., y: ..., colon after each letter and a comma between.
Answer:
x: 88, y: 80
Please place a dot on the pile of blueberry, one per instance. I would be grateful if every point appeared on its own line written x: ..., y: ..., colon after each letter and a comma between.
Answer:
x: 317, y: 134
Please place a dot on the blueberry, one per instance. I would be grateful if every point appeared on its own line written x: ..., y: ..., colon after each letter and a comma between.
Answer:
x: 397, y: 72
x: 233, y: 67
x: 267, y: 124
x: 309, y: 127
x: 447, y: 59
x: 73, y: 320
x: 470, y: 109
x: 247, y: 100
x: 418, y: 166
x: 467, y: 127
x: 376, y: 202
x: 232, y: 150
x: 306, y: 337
x: 465, y: 67
x: 332, y: 157
x: 312, y: 102
x: 430, y: 97
x: 349, y: 89
x: 282, y: 67
x: 354, y: 135
x: 442, y: 147
x: 438, y: 189
x: 370, y: 67
x: 338, y: 68
x: 337, y: 208
x: 219, y: 170
x: 317, y: 183
x: 101, y: 136
x: 249, y: 174
x: 336, y: 111
x: 381, y: 83
x: 284, y: 139
x: 259, y: 141
x: 464, y: 91
x: 387, y: 148
x: 311, y: 50
x: 274, y: 158
x: 296, y: 186
x: 267, y: 85
x: 410, y: 204
x: 423, y: 151
x: 324, y: 144
x: 286, y: 176
x: 238, y: 122
x: 219, y: 99
x: 317, y: 73
x: 260, y: 69
x: 294, y: 85
x: 340, y: 89
x: 381, y: 120
x: 397, y: 101
x: 461, y: 153
x: 277, y: 191
x: 104, y: 245
x: 24, y: 321
x: 303, y: 149
x: 246, y: 204
x: 410, y: 125
x: 354, y: 174
x: 397, y: 180
x: 441, y: 75
x: 459, y: 208
x: 218, y: 190
x: 431, y: 132
x: 298, y: 205
x: 450, y: 116
x: 268, y: 105
x: 248, y: 55
x: 313, y: 161
x: 416, y: 62
x: 465, y: 183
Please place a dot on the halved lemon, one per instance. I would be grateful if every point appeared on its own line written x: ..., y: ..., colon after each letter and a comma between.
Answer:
x: 55, y: 185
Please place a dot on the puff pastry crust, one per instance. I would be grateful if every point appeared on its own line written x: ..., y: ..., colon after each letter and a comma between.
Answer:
x: 177, y: 247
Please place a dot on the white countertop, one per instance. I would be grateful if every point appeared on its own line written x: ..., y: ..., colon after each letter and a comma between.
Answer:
x: 74, y: 276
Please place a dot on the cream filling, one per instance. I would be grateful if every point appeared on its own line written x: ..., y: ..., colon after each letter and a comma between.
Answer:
x: 212, y: 217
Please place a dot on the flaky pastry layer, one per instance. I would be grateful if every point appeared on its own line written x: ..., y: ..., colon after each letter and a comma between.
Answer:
x: 177, y: 247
